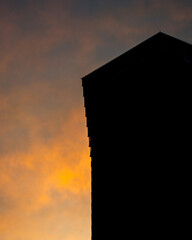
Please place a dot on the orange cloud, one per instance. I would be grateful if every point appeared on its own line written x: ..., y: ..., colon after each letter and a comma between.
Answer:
x: 44, y: 162
x: 45, y: 175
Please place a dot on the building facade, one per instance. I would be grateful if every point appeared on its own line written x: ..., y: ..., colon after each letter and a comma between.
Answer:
x: 138, y: 110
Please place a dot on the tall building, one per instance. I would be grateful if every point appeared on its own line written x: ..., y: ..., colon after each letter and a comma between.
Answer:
x: 138, y: 109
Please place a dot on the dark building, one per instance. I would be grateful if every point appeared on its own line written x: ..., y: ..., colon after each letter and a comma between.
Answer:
x: 138, y: 109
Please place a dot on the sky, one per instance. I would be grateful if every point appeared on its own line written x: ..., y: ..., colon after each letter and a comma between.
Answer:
x: 46, y: 47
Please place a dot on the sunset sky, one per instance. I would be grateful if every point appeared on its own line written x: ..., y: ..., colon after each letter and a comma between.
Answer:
x: 46, y: 46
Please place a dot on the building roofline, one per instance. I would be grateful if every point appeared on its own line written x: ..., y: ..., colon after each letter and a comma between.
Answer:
x: 153, y: 39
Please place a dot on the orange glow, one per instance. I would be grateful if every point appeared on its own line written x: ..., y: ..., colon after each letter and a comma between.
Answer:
x: 46, y: 178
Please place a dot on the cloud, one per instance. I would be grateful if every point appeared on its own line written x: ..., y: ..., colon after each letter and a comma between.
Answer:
x: 48, y: 178
x: 45, y: 48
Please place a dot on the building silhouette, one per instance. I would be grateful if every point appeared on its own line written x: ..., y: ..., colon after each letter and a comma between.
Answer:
x: 138, y: 110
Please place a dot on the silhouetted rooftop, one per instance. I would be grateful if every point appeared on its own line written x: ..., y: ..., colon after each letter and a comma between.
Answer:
x: 159, y: 41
